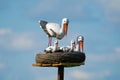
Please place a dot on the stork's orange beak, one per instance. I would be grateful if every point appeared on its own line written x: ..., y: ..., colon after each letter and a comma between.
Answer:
x: 81, y: 46
x: 65, y: 28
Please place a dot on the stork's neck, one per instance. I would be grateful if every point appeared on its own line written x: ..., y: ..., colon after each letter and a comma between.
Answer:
x: 55, y: 46
x: 61, y: 33
x: 79, y: 46
x: 61, y: 29
x: 71, y: 45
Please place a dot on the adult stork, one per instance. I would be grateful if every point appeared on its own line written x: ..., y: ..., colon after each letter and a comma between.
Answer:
x: 54, y: 29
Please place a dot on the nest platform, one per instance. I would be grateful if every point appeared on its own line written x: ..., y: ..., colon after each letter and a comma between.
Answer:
x: 56, y: 59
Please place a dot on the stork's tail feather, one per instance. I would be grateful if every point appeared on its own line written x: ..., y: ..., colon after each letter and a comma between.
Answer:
x: 43, y: 26
x: 43, y: 23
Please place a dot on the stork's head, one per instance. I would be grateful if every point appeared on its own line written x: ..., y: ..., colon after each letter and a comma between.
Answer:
x: 72, y: 41
x: 80, y: 38
x: 65, y: 22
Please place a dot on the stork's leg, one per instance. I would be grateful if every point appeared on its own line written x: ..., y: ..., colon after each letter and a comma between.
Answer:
x: 49, y: 41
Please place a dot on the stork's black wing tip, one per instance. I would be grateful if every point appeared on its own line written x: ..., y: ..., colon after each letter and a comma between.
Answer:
x: 43, y: 23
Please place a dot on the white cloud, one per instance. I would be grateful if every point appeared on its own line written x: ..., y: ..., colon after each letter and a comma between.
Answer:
x: 22, y: 41
x: 111, y: 9
x: 57, y: 8
x: 4, y: 32
x: 111, y: 4
x: 43, y: 7
x: 16, y: 41
x: 109, y: 57
x: 2, y: 66
x: 117, y: 50
x: 80, y: 74
x: 77, y: 74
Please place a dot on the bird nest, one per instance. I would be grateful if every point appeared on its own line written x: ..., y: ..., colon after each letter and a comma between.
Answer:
x: 68, y: 58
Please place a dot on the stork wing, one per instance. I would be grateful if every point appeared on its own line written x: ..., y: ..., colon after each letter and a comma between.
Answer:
x: 43, y: 25
x: 54, y: 33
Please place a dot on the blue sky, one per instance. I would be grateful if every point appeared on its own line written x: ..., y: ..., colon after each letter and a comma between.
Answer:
x: 21, y: 38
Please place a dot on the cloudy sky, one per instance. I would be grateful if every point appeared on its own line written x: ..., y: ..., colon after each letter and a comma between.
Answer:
x: 21, y: 38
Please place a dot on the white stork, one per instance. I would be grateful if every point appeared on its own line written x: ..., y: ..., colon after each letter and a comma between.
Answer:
x: 68, y: 48
x: 54, y: 29
x: 79, y: 46
x: 53, y: 48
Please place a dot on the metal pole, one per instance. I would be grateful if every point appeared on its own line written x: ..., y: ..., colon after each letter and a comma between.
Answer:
x: 60, y: 72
